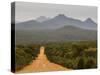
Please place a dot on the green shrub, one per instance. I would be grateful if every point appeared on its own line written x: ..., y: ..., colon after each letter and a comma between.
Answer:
x: 81, y: 64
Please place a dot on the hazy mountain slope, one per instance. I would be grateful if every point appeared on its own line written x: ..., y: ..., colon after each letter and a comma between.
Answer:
x: 65, y: 33
x: 62, y: 20
x: 57, y: 22
x: 28, y: 25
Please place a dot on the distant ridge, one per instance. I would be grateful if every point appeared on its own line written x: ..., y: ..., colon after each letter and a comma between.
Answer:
x: 56, y: 22
x: 66, y: 33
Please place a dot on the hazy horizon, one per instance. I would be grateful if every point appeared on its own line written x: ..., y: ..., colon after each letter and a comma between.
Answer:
x: 27, y: 11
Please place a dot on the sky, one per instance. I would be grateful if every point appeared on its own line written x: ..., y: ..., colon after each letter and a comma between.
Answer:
x: 27, y: 11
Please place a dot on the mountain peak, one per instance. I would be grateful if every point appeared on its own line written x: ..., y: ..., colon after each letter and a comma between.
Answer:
x: 88, y: 20
x: 61, y: 16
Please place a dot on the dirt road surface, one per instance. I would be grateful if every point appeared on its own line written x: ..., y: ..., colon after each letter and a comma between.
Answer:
x: 42, y: 64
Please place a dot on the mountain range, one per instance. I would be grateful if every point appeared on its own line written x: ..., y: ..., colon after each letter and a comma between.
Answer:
x: 58, y: 28
x: 58, y: 21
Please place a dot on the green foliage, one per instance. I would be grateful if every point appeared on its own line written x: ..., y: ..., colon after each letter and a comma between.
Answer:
x: 24, y: 55
x: 70, y: 54
x: 90, y: 64
x: 81, y: 63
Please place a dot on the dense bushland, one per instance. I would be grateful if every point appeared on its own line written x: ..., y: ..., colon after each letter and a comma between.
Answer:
x: 70, y: 54
x: 25, y: 54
